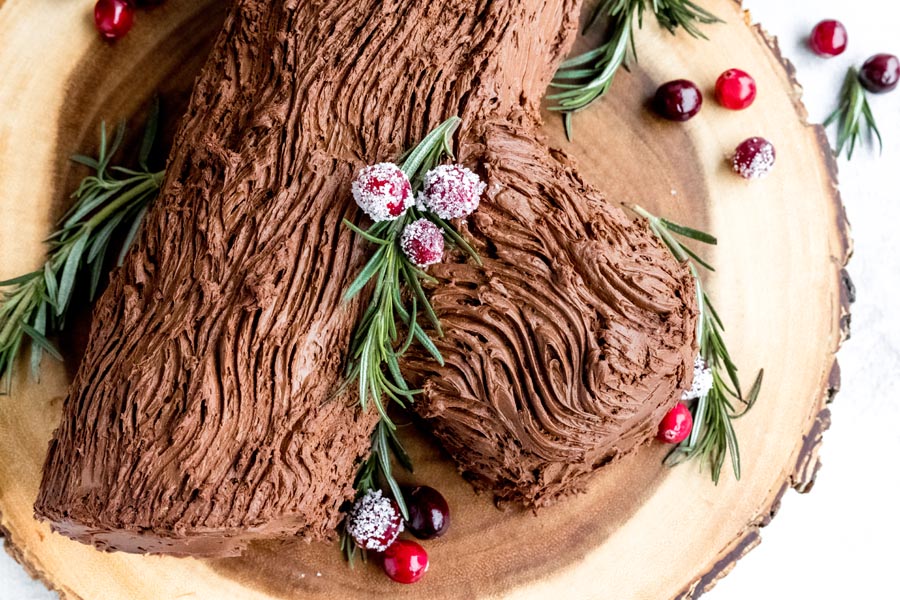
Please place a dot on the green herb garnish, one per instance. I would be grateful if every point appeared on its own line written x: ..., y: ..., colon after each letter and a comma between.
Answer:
x: 584, y: 78
x: 377, y: 345
x: 853, y: 116
x: 110, y: 201
x: 713, y: 436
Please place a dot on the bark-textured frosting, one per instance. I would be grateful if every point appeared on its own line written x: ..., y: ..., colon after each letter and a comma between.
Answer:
x: 567, y: 348
x: 202, y: 418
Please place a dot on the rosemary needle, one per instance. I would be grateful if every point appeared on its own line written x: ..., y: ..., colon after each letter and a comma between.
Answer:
x: 584, y: 78
x: 34, y: 306
x: 376, y: 345
x: 713, y: 438
x: 854, y: 116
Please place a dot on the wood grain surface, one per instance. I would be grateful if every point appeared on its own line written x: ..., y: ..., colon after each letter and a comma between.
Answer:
x: 641, y: 531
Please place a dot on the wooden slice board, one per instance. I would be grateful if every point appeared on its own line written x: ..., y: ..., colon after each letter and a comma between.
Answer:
x: 642, y: 530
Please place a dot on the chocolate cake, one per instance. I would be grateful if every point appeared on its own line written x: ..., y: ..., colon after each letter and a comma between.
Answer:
x: 203, y: 415
x: 568, y: 347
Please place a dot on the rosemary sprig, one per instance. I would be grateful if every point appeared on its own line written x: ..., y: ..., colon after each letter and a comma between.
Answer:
x: 34, y: 305
x: 853, y: 116
x: 588, y: 76
x: 377, y: 465
x: 374, y: 353
x: 376, y: 345
x: 713, y: 436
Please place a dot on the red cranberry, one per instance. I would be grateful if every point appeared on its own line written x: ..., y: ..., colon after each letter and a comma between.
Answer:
x: 405, y: 561
x: 880, y: 73
x: 429, y: 515
x: 678, y: 100
x: 452, y: 191
x: 676, y: 425
x: 374, y: 521
x: 735, y: 89
x: 423, y: 243
x: 113, y: 18
x: 828, y: 38
x: 383, y: 191
x: 753, y: 158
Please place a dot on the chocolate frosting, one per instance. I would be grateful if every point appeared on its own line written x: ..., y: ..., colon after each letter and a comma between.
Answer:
x: 203, y: 415
x: 567, y: 348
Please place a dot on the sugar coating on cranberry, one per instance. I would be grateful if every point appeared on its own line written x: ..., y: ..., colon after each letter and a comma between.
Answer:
x: 676, y: 425
x: 702, y: 382
x: 423, y: 243
x: 452, y: 191
x: 753, y: 158
x: 383, y: 191
x: 374, y: 521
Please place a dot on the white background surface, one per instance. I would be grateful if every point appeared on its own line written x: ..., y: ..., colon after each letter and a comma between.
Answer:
x: 841, y: 540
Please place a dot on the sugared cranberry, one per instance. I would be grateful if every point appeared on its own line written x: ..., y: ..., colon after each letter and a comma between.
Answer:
x: 676, y: 425
x: 678, y: 100
x: 880, y: 73
x: 702, y: 381
x: 452, y: 191
x: 374, y: 521
x: 405, y: 561
x: 113, y: 18
x: 423, y: 243
x: 735, y: 89
x: 753, y: 158
x: 429, y: 515
x: 828, y: 38
x: 383, y: 191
